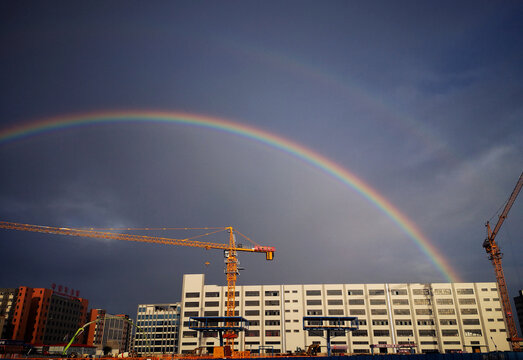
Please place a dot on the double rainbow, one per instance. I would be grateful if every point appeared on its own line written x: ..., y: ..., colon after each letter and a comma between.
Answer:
x: 275, y: 141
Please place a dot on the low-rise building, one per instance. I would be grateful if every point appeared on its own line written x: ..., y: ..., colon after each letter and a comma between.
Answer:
x: 436, y: 317
x: 114, y: 331
x: 157, y: 329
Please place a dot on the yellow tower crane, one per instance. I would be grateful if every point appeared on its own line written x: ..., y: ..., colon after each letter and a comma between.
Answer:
x: 231, y: 250
x: 495, y: 255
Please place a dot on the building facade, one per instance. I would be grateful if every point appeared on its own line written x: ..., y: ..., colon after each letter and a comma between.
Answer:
x: 114, y: 331
x: 44, y: 316
x: 157, y: 329
x: 7, y: 309
x: 518, y: 301
x: 437, y: 317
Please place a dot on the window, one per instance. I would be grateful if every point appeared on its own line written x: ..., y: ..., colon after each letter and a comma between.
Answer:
x: 252, y: 303
x: 272, y: 302
x: 356, y: 302
x: 192, y: 304
x: 315, y: 332
x: 313, y: 302
x: 272, y: 332
x: 190, y: 313
x: 272, y: 312
x: 381, y: 333
x: 192, y: 295
x: 378, y: 311
x: 359, y: 333
x: 236, y: 313
x: 404, y: 333
x: 446, y: 312
x: 252, y: 293
x: 190, y: 334
x: 421, y: 301
x: 252, y: 312
x: 444, y: 301
x: 334, y: 302
x: 211, y: 313
x: 355, y: 292
x: 314, y: 312
x: 252, y: 333
x: 272, y: 322
x: 448, y: 322
x: 465, y: 291
x: 401, y: 311
x: 425, y: 322
x: 236, y: 303
x: 380, y: 322
x: 472, y: 321
x: 399, y: 292
x: 428, y: 343
x: 357, y: 311
x: 421, y: 291
x: 377, y: 302
x: 399, y: 301
x: 212, y: 303
x: 272, y: 293
x: 469, y: 311
x: 403, y: 322
x: 254, y: 322
x: 333, y: 292
x: 362, y: 322
x: 451, y: 343
x: 470, y: 301
x: 449, y: 332
x: 442, y: 292
x: 313, y: 292
x: 376, y: 292
x: 473, y: 332
x: 427, y: 332
x: 335, y: 311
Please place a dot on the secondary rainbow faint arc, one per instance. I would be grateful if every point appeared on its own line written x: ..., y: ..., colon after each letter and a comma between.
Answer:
x: 301, y: 152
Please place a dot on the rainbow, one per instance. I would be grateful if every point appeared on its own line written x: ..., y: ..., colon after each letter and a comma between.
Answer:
x: 272, y: 140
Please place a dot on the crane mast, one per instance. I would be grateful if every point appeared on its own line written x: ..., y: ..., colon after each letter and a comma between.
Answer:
x: 231, y: 249
x: 495, y: 255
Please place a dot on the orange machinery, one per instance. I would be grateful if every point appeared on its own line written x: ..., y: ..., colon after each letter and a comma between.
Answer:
x: 495, y: 255
x: 231, y: 250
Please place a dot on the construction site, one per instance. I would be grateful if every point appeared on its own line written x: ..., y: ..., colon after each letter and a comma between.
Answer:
x: 301, y: 321
x: 310, y: 320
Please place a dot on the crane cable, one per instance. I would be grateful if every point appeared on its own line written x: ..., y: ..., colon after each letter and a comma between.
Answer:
x: 154, y: 229
x: 246, y: 238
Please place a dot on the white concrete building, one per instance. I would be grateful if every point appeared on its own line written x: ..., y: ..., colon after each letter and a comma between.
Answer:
x: 437, y: 317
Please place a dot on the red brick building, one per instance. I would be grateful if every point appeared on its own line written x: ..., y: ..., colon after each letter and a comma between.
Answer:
x: 45, y: 316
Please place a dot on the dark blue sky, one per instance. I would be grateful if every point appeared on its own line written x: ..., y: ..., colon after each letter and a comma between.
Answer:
x: 422, y: 101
